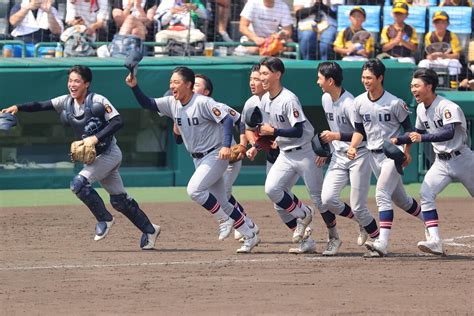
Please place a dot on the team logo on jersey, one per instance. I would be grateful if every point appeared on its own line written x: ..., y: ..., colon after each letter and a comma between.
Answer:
x: 216, y: 111
x: 405, y: 106
x: 108, y: 108
x: 296, y: 114
x: 232, y: 113
x: 447, y: 114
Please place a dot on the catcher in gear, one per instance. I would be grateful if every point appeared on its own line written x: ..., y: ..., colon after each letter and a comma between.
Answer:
x: 95, y: 121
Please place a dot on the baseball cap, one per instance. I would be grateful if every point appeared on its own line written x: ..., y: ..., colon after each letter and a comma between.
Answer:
x: 440, y: 15
x: 400, y: 7
x: 358, y: 9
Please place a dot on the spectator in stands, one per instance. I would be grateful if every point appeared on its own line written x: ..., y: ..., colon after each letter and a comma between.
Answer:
x: 347, y: 45
x: 180, y: 20
x: 316, y: 20
x: 34, y: 21
x: 260, y: 19
x: 447, y: 56
x: 456, y: 3
x: 91, y: 13
x: 223, y: 16
x: 134, y: 17
x: 399, y: 40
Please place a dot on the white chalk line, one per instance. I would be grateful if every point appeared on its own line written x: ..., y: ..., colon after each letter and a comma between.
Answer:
x: 449, y: 241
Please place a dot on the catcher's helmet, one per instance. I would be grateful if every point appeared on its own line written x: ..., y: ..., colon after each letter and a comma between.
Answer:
x: 7, y: 121
x: 393, y: 152
x: 320, y: 149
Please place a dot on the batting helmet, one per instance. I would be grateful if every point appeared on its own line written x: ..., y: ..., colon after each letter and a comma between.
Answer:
x: 393, y: 152
x: 7, y: 121
x: 254, y: 117
x: 320, y: 149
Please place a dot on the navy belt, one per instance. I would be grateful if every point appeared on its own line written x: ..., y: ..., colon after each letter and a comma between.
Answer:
x: 293, y: 149
x: 200, y: 155
x: 447, y: 156
x: 377, y: 151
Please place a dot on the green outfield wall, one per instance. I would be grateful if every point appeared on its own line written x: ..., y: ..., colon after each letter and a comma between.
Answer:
x: 35, y: 154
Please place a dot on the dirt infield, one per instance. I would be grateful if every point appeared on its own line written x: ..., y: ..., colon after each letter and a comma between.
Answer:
x: 49, y: 264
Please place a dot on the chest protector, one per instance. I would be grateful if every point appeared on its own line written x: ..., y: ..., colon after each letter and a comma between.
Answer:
x: 88, y: 123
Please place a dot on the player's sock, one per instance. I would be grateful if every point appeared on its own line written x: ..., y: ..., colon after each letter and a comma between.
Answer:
x: 347, y: 212
x: 291, y: 224
x: 291, y: 207
x: 235, y: 203
x: 240, y: 224
x: 214, y: 208
x: 386, y: 220
x: 372, y: 229
x: 431, y: 222
x: 415, y: 210
x: 330, y: 221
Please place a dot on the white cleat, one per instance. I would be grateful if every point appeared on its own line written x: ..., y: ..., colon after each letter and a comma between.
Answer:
x: 102, y: 229
x: 332, y: 247
x: 371, y: 254
x: 148, y: 240
x: 249, y: 244
x: 434, y: 247
x: 225, y: 228
x: 307, y: 245
x: 301, y: 224
x: 378, y: 246
x: 363, y: 236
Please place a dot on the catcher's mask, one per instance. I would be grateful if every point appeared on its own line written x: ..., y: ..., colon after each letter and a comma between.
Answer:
x: 7, y: 121
x: 393, y: 152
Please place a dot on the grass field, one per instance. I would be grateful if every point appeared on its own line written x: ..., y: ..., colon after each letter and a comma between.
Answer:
x: 19, y: 198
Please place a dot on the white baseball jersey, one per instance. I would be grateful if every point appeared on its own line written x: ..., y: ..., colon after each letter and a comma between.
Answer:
x: 285, y: 111
x: 381, y: 118
x: 198, y: 121
x: 340, y: 116
x: 441, y: 112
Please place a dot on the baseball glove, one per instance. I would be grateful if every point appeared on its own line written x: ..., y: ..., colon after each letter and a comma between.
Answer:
x: 264, y: 143
x: 237, y: 153
x: 83, y: 152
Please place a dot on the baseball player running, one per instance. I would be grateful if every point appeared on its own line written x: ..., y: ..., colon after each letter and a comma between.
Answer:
x: 379, y: 117
x: 83, y: 111
x: 203, y: 85
x: 339, y: 109
x: 200, y: 120
x: 442, y: 123
x: 306, y: 245
x: 293, y: 133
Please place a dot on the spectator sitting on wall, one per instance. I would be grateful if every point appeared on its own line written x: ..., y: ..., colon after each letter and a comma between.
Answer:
x: 180, y: 21
x: 91, y: 13
x: 260, y: 19
x: 223, y: 15
x: 399, y: 40
x: 346, y: 43
x: 449, y: 55
x: 134, y: 17
x: 34, y: 21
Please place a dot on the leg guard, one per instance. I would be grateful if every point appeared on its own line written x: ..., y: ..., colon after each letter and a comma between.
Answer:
x: 84, y: 191
x: 129, y: 207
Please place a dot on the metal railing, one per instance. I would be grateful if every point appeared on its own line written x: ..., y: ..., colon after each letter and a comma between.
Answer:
x: 14, y: 43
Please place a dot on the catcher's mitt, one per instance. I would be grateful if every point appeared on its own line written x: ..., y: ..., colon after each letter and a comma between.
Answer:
x: 361, y: 37
x: 83, y: 152
x: 438, y: 47
x: 264, y: 142
x: 237, y: 153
